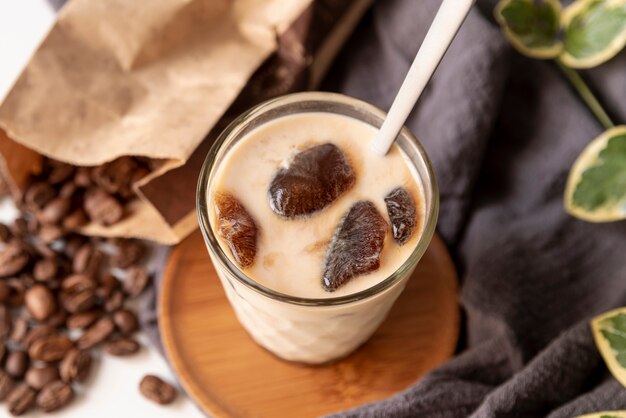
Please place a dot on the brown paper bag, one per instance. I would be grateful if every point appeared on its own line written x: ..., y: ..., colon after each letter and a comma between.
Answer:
x: 114, y: 78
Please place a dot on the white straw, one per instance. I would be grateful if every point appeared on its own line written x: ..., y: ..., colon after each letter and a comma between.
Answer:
x: 441, y: 33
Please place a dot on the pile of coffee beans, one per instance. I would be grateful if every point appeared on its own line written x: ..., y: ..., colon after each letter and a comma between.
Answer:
x: 63, y: 295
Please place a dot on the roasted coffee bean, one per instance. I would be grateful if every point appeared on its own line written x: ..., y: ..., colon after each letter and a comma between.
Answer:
x: 83, y: 319
x: 78, y: 282
x: 108, y: 283
x: 59, y: 172
x: 82, y: 177
x: 21, y: 399
x: 40, y: 302
x: 95, y: 334
x: 114, y: 302
x: 38, y: 195
x: 115, y: 176
x: 57, y: 319
x: 5, y: 321
x: 20, y: 228
x: 13, y: 259
x: 79, y: 301
x: 50, y: 233
x: 50, y: 349
x: 55, y: 210
x: 137, y: 279
x: 19, y: 331
x: 3, y: 350
x: 5, y: 233
x: 67, y: 190
x: 38, y: 377
x: 129, y: 252
x: 157, y: 390
x: 45, y: 269
x: 73, y: 244
x: 125, y: 321
x: 5, y: 292
x: 16, y: 297
x: 75, y: 219
x: 27, y: 280
x: 75, y: 366
x: 17, y: 363
x: 102, y: 208
x: 6, y: 385
x: 54, y: 396
x: 38, y: 332
x: 42, y: 249
x: 120, y: 347
x: 87, y: 260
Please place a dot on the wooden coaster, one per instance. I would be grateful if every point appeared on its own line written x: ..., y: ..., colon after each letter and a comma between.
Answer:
x: 227, y: 374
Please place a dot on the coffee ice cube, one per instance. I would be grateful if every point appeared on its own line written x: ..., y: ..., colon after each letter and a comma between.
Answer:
x: 356, y: 245
x: 314, y: 179
x: 236, y: 227
x: 402, y: 214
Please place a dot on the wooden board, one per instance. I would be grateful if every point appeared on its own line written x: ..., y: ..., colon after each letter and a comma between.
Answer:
x: 227, y: 374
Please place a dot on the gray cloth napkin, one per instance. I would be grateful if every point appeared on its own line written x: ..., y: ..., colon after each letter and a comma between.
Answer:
x: 502, y: 131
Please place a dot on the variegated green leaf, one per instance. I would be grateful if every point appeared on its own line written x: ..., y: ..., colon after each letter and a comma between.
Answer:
x: 596, y: 187
x: 605, y: 414
x: 609, y: 333
x: 532, y: 26
x: 594, y: 31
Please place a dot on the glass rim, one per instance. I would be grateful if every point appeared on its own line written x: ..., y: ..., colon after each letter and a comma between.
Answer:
x: 256, y: 111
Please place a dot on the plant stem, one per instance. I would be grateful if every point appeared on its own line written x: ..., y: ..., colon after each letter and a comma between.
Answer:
x: 586, y: 94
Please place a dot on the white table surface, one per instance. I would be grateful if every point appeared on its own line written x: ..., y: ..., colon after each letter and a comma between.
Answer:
x: 112, y: 390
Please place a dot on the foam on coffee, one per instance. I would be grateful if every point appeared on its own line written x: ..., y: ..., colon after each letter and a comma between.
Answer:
x: 290, y: 252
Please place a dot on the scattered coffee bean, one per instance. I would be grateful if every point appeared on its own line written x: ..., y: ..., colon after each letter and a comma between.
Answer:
x: 95, y: 334
x: 13, y: 259
x: 130, y: 252
x: 55, y: 210
x: 37, y: 333
x: 38, y: 195
x: 126, y: 322
x: 54, y: 396
x: 50, y: 233
x: 19, y: 330
x: 120, y: 347
x: 103, y: 208
x: 157, y: 390
x: 6, y: 384
x: 21, y: 399
x: 136, y: 281
x: 51, y: 348
x: 5, y: 292
x: 75, y: 219
x: 20, y: 227
x: 57, y: 319
x: 79, y: 301
x: 75, y: 366
x: 82, y: 178
x: 78, y: 282
x: 5, y: 321
x: 16, y: 297
x: 17, y: 363
x: 87, y: 260
x: 38, y: 377
x: 59, y: 172
x: 82, y: 320
x: 108, y: 283
x: 45, y: 269
x: 114, y: 302
x: 5, y: 233
x: 40, y: 302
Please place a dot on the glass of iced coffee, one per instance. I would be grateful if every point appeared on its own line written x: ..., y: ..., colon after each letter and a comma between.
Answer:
x: 312, y: 234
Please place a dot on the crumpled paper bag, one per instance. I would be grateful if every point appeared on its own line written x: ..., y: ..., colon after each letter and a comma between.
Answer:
x: 119, y: 77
